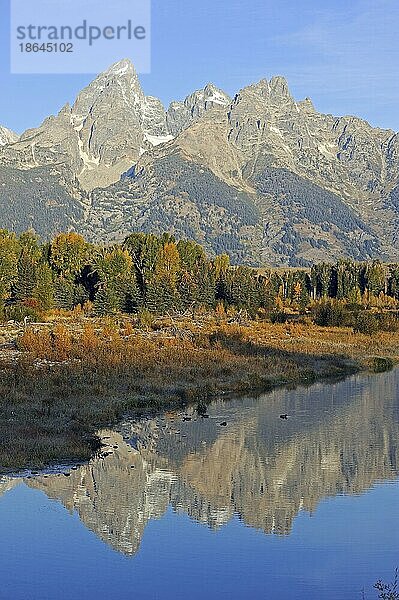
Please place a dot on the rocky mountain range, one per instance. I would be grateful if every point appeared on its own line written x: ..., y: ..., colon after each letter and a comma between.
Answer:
x: 261, y: 176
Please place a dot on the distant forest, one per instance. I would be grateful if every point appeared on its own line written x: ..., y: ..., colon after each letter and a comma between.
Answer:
x: 160, y: 274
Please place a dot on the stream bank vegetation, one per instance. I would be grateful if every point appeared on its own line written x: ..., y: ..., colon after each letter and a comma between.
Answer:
x: 91, y: 333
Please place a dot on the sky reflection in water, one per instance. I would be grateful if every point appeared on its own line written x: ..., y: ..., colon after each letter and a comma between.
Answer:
x: 262, y: 508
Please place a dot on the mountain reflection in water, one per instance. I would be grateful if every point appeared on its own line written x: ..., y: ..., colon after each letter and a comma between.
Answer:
x: 339, y: 439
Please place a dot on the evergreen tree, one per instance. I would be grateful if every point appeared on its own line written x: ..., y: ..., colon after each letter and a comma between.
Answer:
x: 9, y: 254
x: 116, y: 280
x: 67, y: 294
x: 107, y: 300
x: 267, y: 291
x: 393, y: 289
x: 348, y: 278
x: 376, y: 278
x: 221, y: 266
x: 144, y: 250
x: 158, y: 273
x: 27, y: 276
x: 44, y: 288
x: 242, y: 289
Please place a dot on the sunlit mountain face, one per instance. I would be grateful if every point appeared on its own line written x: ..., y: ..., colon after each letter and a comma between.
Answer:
x: 262, y: 176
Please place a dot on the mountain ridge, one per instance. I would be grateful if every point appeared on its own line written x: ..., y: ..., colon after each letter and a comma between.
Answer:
x: 7, y: 136
x: 122, y: 162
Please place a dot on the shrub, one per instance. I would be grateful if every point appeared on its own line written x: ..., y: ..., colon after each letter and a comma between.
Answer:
x: 62, y: 342
x: 304, y: 320
x: 388, y: 322
x: 145, y: 319
x: 220, y: 310
x: 38, y: 343
x: 88, y: 308
x: 18, y: 312
x: 44, y: 344
x: 366, y: 323
x: 380, y: 364
x: 128, y: 328
x: 89, y: 341
x: 278, y: 316
x: 331, y: 313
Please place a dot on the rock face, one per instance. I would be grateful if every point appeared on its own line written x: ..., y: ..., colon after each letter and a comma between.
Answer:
x: 7, y: 136
x: 261, y: 176
x: 182, y: 114
x: 110, y: 124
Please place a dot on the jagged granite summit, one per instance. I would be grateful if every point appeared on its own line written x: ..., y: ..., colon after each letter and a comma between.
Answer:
x: 260, y: 176
x: 7, y: 136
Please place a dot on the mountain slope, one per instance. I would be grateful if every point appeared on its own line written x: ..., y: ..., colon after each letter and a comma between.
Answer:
x: 260, y: 176
x: 7, y: 136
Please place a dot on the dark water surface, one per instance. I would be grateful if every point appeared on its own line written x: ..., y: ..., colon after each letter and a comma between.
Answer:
x: 304, y: 508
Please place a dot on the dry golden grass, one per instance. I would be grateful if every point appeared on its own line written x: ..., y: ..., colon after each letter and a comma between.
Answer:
x: 325, y: 341
x: 79, y: 374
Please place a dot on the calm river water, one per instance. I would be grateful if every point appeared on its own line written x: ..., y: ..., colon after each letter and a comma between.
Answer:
x: 239, y: 505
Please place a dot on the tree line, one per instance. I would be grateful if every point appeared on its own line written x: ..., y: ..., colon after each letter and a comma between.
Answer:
x: 162, y: 274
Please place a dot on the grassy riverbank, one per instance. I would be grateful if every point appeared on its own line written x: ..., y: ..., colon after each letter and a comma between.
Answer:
x: 63, y: 380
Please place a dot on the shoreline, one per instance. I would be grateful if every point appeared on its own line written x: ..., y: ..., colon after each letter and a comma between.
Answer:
x: 51, y: 409
x: 66, y: 465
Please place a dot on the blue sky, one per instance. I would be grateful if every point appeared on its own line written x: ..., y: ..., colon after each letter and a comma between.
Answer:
x: 346, y: 58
